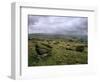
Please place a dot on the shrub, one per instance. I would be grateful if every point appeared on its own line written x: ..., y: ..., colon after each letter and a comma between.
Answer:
x: 80, y: 48
x: 71, y: 40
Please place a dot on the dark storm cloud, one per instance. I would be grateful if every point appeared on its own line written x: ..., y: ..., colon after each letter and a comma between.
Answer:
x: 57, y: 24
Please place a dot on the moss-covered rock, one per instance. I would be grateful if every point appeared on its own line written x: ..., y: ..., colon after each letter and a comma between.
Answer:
x: 42, y: 49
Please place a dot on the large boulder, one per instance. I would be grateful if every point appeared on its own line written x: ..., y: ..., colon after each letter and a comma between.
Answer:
x: 42, y: 49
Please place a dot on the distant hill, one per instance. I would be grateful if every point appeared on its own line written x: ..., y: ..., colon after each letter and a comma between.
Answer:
x: 58, y: 36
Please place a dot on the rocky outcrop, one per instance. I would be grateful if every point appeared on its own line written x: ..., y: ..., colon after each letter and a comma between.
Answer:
x: 43, y: 50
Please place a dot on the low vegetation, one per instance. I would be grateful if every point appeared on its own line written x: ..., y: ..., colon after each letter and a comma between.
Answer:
x: 56, y: 51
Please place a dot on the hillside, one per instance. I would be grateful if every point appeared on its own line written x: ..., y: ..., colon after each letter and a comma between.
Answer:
x: 50, y: 49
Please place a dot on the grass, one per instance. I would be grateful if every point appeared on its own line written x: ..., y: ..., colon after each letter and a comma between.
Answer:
x: 56, y: 52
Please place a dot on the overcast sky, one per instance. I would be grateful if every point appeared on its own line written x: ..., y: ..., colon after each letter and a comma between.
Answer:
x: 57, y: 25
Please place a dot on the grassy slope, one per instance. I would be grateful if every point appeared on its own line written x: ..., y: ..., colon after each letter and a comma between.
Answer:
x: 63, y: 52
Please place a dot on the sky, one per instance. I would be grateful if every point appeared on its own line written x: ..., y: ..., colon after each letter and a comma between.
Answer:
x: 57, y: 24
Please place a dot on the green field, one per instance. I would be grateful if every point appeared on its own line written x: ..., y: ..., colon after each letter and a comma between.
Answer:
x: 54, y: 50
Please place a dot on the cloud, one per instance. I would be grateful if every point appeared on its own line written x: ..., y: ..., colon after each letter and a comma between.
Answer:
x: 57, y: 24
